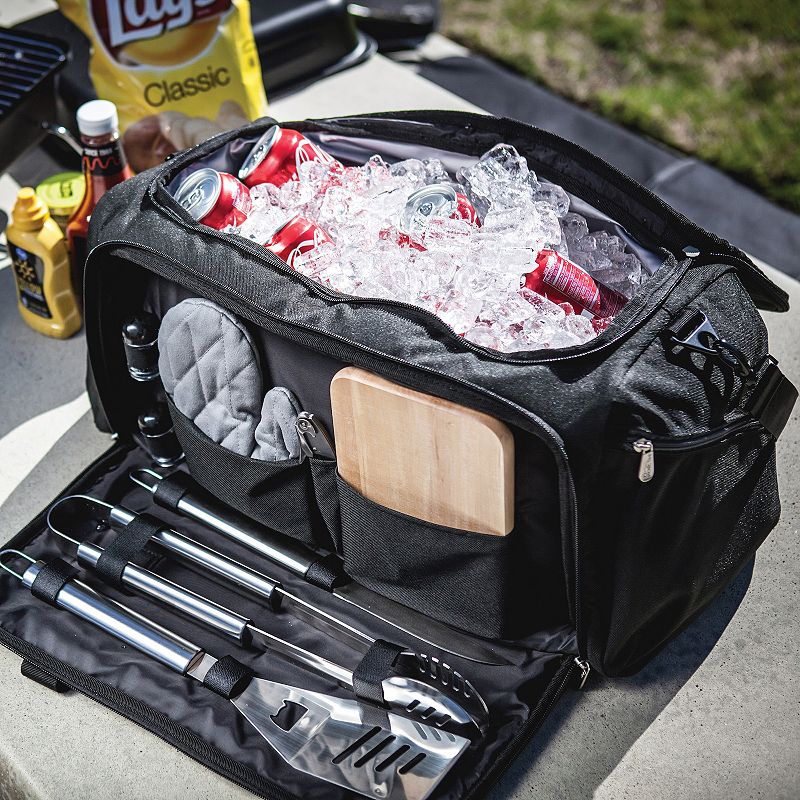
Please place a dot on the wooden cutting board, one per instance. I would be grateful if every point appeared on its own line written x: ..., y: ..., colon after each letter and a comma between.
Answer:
x: 421, y: 455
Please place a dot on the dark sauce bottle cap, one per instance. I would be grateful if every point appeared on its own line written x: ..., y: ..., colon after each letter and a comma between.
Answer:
x: 140, y: 338
x: 162, y: 444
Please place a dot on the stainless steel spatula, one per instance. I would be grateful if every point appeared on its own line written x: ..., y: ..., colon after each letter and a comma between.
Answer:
x: 387, y: 757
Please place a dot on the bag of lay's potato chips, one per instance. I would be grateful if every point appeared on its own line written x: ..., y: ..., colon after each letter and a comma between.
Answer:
x: 179, y: 71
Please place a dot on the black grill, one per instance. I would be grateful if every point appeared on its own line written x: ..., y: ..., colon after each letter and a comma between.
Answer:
x: 28, y: 64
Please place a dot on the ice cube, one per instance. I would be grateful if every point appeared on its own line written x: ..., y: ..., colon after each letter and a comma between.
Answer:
x: 554, y: 196
x: 574, y: 227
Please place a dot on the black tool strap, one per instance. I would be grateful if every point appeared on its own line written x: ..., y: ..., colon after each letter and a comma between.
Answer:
x: 374, y: 667
x: 50, y: 580
x: 128, y: 544
x: 327, y: 572
x: 170, y: 490
x: 228, y: 677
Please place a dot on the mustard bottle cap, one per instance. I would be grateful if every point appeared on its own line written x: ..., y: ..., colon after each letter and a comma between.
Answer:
x: 29, y: 212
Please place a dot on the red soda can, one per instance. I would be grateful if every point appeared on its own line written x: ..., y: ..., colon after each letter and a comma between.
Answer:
x: 436, y: 201
x: 276, y: 157
x: 611, y: 302
x: 295, y: 238
x: 562, y: 281
x: 214, y: 198
x: 465, y: 210
x: 402, y: 239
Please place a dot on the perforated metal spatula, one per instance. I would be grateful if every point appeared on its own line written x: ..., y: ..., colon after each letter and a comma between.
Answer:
x: 387, y: 757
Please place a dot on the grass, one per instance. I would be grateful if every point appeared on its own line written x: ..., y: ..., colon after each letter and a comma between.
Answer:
x: 717, y: 79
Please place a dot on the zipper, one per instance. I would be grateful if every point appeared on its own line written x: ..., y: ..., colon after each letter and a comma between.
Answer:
x: 598, y: 344
x: 647, y: 465
x: 566, y: 673
x: 583, y: 665
x: 646, y: 444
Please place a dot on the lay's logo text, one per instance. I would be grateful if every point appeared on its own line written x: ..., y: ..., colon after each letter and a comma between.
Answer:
x: 127, y: 26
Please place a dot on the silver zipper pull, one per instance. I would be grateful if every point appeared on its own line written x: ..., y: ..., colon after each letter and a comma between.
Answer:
x: 647, y: 464
x: 585, y: 669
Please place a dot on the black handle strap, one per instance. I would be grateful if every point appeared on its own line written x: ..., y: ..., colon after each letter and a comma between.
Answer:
x: 50, y: 580
x: 773, y: 398
x: 228, y: 677
x: 128, y: 546
x: 326, y: 572
x: 770, y: 395
x: 170, y: 490
x: 374, y: 667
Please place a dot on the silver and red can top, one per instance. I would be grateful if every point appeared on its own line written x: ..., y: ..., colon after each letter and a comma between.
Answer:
x: 214, y: 198
x: 294, y: 238
x: 276, y: 157
x: 435, y: 201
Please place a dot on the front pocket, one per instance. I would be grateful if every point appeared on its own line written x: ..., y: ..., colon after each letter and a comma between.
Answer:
x: 278, y: 494
x: 672, y: 520
x: 464, y: 579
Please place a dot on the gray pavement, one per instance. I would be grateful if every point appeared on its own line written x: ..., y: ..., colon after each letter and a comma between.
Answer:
x: 716, y: 715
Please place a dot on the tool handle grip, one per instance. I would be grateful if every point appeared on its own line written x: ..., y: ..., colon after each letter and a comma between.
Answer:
x: 200, y: 506
x: 176, y: 597
x: 210, y: 560
x: 276, y: 547
x: 122, y: 622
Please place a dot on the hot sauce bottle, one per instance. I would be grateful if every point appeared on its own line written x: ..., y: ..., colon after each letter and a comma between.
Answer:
x: 104, y: 166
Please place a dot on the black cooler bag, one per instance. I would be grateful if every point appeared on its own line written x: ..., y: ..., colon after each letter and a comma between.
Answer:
x: 644, y: 459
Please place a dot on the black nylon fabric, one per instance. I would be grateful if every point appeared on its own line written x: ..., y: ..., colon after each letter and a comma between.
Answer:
x: 126, y: 547
x: 228, y: 677
x: 50, y: 580
x: 373, y: 669
x: 207, y: 726
x: 326, y: 572
x: 170, y: 490
x: 277, y: 494
x: 468, y: 580
x: 42, y: 676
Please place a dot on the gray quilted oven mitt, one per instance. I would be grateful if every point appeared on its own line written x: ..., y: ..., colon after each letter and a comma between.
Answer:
x: 210, y: 368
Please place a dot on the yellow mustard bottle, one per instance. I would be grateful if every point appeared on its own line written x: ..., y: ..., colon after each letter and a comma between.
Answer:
x: 40, y: 261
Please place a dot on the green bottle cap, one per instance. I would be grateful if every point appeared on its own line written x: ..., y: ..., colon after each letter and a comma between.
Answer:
x: 62, y: 192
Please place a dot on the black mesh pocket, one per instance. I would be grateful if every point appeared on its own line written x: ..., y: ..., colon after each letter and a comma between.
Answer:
x: 279, y: 494
x: 661, y: 550
x: 464, y: 579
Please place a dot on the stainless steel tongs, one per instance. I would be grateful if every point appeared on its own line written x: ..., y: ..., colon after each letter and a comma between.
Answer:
x: 421, y: 685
